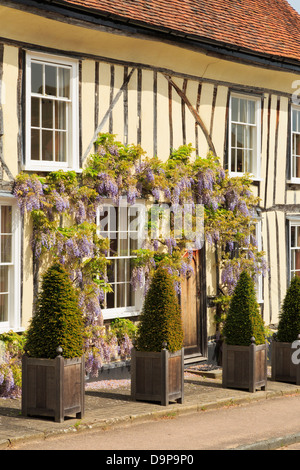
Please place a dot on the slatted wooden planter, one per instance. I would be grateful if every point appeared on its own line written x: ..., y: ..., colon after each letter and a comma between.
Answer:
x: 283, y: 368
x: 245, y: 367
x: 157, y: 376
x: 53, y: 387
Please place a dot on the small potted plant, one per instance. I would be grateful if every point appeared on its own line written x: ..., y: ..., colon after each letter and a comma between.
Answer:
x: 284, y: 368
x: 157, y: 359
x: 53, y: 366
x: 244, y: 348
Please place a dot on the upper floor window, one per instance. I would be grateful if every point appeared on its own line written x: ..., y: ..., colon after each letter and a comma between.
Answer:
x: 51, y: 113
x: 295, y: 145
x: 244, y: 135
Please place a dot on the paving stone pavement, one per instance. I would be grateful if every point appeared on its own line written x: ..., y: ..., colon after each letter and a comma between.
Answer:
x: 114, y: 407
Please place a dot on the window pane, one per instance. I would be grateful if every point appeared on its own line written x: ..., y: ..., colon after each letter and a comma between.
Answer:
x: 6, y: 248
x: 110, y: 300
x: 235, y: 109
x: 240, y: 161
x: 233, y: 160
x: 121, y: 296
x: 35, y: 144
x: 50, y: 80
x: 113, y: 244
x: 121, y: 270
x: 251, y: 112
x: 297, y: 165
x: 4, y: 270
x: 35, y: 112
x: 47, y: 114
x: 36, y: 78
x: 241, y: 136
x: 234, y: 135
x: 60, y: 115
x: 64, y: 82
x: 133, y: 242
x: 47, y: 149
x: 293, y: 236
x: 61, y: 146
x: 249, y: 161
x: 296, y: 146
x: 130, y: 296
x: 103, y: 219
x: 297, y: 259
x: 111, y: 271
x: 6, y: 219
x: 243, y: 110
x: 123, y: 244
x: 3, y: 307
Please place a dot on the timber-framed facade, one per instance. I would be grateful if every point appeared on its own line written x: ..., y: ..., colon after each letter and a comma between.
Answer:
x: 158, y: 88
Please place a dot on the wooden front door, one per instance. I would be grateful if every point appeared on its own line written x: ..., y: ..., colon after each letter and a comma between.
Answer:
x: 192, y: 313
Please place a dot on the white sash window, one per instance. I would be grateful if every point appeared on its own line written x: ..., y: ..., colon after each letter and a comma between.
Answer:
x: 51, y: 113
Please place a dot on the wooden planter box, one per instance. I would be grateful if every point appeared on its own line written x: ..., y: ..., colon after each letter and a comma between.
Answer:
x: 53, y: 387
x: 283, y: 369
x: 245, y: 367
x: 157, y: 376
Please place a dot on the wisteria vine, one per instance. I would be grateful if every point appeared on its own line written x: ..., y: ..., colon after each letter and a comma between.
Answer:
x: 63, y: 208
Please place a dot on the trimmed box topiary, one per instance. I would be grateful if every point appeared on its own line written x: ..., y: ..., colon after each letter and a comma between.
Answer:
x: 284, y: 368
x: 157, y: 360
x: 244, y: 348
x: 53, y: 367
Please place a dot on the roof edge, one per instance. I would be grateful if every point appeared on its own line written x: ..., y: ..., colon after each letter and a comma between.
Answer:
x: 111, y: 21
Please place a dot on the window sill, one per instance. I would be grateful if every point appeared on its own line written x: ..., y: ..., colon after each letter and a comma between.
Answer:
x: 111, y: 314
x: 293, y: 181
x: 49, y: 169
x: 253, y: 178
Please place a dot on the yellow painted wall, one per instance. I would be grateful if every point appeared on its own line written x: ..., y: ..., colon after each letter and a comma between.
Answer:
x: 150, y: 57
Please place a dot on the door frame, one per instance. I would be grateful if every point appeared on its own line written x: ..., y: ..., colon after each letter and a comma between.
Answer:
x: 201, y: 307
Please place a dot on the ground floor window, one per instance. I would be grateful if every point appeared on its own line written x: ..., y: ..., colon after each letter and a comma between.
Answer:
x: 294, y: 248
x: 257, y: 233
x: 119, y: 225
x: 9, y: 266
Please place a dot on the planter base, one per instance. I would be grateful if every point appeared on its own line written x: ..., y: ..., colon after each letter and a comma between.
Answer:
x: 245, y: 367
x: 283, y: 368
x: 157, y: 376
x: 53, y: 387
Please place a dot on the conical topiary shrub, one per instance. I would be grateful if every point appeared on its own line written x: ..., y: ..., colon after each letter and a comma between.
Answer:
x: 244, y: 320
x: 53, y: 374
x: 160, y: 320
x: 157, y: 360
x: 58, y: 321
x: 286, y: 368
x: 289, y: 319
x: 244, y: 360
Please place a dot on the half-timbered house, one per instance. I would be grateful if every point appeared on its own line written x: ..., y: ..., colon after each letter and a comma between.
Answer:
x: 223, y: 75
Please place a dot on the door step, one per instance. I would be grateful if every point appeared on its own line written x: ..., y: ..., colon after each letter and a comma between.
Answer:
x: 194, y: 359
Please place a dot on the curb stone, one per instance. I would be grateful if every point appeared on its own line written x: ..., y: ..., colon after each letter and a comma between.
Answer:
x: 271, y: 444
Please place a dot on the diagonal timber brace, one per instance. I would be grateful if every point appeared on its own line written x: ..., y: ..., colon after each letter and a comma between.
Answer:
x: 106, y: 116
x: 194, y: 113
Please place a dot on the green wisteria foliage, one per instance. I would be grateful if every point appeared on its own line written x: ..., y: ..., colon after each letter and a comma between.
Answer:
x: 63, y: 208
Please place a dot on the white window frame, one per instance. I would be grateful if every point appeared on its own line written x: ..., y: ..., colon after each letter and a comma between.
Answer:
x: 14, y: 310
x: 122, y: 312
x: 257, y: 151
x: 293, y: 222
x: 293, y: 179
x: 258, y: 235
x: 72, y: 162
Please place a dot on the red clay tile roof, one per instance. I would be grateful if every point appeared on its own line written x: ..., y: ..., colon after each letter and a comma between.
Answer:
x: 264, y: 26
